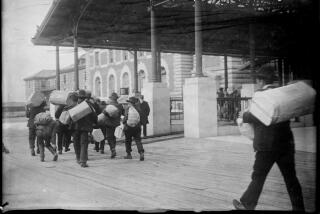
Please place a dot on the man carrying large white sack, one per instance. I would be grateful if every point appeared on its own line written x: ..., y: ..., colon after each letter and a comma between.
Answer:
x: 273, y: 144
x: 32, y: 109
x: 113, y: 113
x: 82, y: 127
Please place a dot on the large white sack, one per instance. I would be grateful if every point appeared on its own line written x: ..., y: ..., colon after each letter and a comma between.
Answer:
x: 101, y: 119
x: 36, y: 98
x: 97, y: 135
x: 112, y: 110
x: 58, y: 97
x: 283, y: 103
x: 79, y: 111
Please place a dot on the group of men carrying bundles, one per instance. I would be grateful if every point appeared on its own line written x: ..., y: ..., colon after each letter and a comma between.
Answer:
x: 79, y: 116
x: 267, y: 117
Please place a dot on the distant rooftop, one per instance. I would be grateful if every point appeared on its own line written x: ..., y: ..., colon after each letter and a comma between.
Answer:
x: 46, y: 73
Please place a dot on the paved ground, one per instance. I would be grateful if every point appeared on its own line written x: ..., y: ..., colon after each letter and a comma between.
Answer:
x: 179, y: 174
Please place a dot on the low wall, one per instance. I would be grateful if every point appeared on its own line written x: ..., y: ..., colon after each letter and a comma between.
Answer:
x: 176, y: 126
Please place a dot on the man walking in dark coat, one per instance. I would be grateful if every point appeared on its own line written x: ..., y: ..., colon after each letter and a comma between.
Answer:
x: 64, y: 130
x: 112, y: 122
x: 100, y: 145
x: 31, y: 112
x: 272, y: 144
x: 132, y: 127
x: 81, y: 129
x: 145, y: 111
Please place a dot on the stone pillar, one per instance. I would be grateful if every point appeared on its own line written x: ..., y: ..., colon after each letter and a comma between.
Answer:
x: 182, y: 67
x: 158, y: 97
x: 199, y: 94
x: 200, y: 107
x: 155, y: 92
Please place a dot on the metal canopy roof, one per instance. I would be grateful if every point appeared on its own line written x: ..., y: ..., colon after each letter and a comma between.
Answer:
x: 125, y: 24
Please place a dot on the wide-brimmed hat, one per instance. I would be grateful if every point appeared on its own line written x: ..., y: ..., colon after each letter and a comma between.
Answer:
x: 132, y: 100
x: 114, y: 96
x: 265, y: 72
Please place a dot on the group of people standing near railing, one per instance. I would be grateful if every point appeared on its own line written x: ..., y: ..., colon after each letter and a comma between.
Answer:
x: 228, y: 109
x: 129, y: 117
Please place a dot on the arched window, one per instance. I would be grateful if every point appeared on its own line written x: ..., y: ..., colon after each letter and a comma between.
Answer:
x: 98, y: 87
x: 141, y: 79
x: 111, y: 84
x: 125, y: 80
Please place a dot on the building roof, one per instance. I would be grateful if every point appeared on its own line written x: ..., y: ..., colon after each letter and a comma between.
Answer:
x: 47, y: 74
x: 125, y: 24
x: 50, y: 73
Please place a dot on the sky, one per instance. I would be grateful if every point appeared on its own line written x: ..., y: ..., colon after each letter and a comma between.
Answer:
x: 20, y: 58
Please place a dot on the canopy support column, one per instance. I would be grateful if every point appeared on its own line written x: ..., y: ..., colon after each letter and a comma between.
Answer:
x: 76, y: 69
x: 135, y: 70
x: 225, y: 71
x: 155, y: 92
x: 155, y: 77
x: 198, y: 39
x: 252, y: 51
x: 57, y: 68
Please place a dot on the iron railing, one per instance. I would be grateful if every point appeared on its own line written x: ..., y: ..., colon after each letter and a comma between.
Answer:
x: 229, y: 107
x: 176, y: 108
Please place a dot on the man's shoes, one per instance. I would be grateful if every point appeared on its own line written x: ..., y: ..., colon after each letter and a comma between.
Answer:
x: 84, y: 165
x: 55, y: 157
x: 38, y: 151
x: 42, y: 160
x: 101, y: 151
x: 240, y: 206
x: 113, y: 154
x: 66, y: 149
x: 128, y: 156
x: 60, y: 152
x: 141, y: 156
x: 33, y: 152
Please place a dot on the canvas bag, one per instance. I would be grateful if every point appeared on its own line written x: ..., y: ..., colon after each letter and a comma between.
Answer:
x: 283, y: 103
x: 79, y: 111
x: 112, y: 110
x: 133, y: 117
x: 119, y: 133
x: 102, y: 119
x: 97, y: 135
x: 58, y: 97
x: 42, y: 118
x: 36, y: 98
x: 65, y: 118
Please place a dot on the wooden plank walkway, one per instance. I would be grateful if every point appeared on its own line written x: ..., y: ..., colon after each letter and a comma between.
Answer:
x: 177, y: 174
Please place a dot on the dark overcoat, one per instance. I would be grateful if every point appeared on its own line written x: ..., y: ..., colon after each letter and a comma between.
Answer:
x: 275, y: 137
